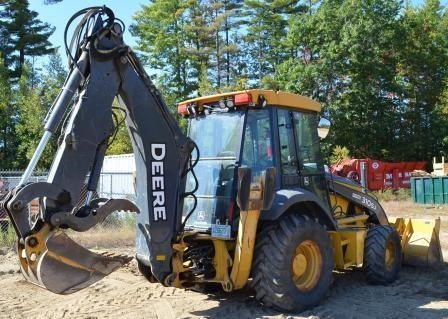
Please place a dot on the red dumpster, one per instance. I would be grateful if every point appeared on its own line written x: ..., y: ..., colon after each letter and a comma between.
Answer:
x: 379, y: 174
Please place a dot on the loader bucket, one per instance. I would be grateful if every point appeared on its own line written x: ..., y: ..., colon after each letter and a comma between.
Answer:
x: 420, y: 241
x: 52, y: 260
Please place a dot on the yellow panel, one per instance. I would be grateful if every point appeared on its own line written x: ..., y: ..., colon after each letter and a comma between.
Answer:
x: 352, y: 221
x: 339, y: 204
x: 244, y: 248
x: 272, y: 97
x: 348, y: 247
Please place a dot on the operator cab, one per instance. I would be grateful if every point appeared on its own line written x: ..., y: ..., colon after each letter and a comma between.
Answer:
x: 256, y: 129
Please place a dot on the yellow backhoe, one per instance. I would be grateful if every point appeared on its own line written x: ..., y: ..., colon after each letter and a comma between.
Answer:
x: 242, y: 199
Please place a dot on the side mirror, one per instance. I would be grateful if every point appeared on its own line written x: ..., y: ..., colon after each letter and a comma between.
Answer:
x: 323, y: 127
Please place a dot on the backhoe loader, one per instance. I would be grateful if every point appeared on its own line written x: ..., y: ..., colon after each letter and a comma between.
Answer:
x: 242, y: 200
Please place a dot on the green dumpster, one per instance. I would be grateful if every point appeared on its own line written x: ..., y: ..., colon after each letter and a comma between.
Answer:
x: 430, y: 190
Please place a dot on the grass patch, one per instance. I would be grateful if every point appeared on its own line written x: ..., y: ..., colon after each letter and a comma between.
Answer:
x: 7, y: 235
x: 397, y: 195
x: 104, y: 239
x: 119, y: 221
x: 117, y: 230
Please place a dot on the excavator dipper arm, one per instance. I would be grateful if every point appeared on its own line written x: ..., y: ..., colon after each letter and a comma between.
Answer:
x: 103, y: 68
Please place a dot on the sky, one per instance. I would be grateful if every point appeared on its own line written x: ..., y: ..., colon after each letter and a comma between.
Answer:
x: 58, y: 14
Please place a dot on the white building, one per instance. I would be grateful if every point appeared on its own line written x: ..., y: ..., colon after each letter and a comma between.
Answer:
x: 117, y: 177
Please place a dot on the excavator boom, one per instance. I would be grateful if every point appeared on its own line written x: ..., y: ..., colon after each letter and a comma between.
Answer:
x: 103, y: 68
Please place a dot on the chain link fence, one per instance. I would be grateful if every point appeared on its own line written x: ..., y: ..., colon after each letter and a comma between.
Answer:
x: 111, y: 185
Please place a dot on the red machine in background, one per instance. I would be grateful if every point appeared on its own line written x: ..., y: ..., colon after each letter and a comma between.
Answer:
x: 378, y: 174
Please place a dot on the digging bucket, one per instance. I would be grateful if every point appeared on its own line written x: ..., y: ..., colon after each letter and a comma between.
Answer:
x: 53, y: 261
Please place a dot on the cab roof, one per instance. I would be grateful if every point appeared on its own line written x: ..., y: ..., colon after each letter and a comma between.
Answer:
x: 253, y: 98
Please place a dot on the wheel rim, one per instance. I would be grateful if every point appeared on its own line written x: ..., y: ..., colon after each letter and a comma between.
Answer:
x: 389, y: 256
x: 307, y: 265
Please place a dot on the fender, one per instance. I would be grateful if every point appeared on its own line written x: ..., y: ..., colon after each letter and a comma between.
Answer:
x: 286, y: 199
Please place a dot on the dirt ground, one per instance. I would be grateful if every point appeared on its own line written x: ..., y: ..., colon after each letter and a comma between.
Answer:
x: 418, y: 293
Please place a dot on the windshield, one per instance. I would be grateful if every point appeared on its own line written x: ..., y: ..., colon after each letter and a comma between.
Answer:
x: 218, y: 137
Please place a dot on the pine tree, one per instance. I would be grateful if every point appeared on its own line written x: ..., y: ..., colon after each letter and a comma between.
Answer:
x: 23, y: 34
x: 159, y: 27
x: 226, y: 22
x: 422, y: 74
x: 190, y: 42
x: 29, y: 123
x: 267, y: 27
x: 8, y: 142
x: 32, y: 103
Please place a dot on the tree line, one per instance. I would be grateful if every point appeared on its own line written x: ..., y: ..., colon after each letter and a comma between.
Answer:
x: 26, y: 93
x: 379, y: 67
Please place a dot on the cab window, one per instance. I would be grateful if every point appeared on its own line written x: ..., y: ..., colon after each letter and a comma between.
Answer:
x: 257, y: 149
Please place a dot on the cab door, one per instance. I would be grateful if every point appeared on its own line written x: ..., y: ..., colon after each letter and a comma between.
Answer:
x: 300, y: 158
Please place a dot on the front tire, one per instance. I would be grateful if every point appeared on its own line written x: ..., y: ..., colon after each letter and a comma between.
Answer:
x: 293, y: 264
x: 382, y: 255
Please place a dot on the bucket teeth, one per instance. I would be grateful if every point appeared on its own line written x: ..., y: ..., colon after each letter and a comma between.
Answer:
x: 57, y: 263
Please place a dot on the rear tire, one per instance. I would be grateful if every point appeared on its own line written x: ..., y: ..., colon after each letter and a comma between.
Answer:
x: 382, y: 255
x: 293, y: 264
